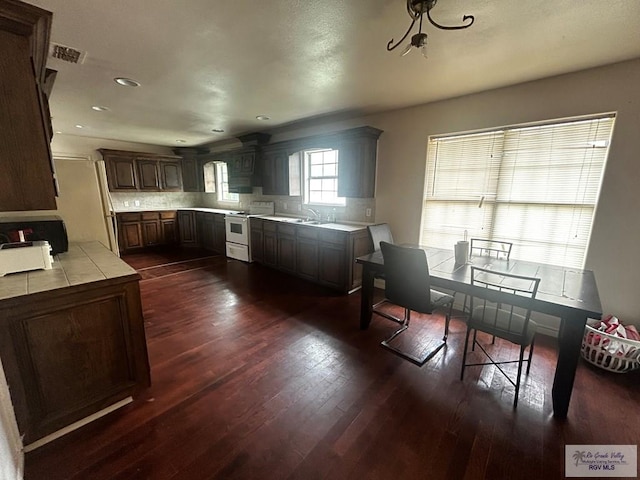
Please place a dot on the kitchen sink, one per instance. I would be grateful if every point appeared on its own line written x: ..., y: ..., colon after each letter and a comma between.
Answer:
x: 307, y: 222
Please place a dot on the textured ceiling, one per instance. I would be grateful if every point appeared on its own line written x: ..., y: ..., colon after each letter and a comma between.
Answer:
x: 206, y: 64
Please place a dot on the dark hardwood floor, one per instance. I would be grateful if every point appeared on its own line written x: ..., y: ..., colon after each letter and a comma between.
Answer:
x: 257, y: 375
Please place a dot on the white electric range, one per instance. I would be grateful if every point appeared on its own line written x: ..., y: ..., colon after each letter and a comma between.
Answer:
x: 238, y: 229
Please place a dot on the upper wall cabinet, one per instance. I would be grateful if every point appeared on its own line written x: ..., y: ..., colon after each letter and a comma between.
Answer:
x: 357, y: 154
x: 134, y: 171
x: 192, y: 170
x: 27, y: 180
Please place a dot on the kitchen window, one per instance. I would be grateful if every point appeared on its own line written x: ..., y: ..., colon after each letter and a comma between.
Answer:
x: 222, y: 184
x: 536, y: 186
x: 216, y: 180
x: 321, y: 177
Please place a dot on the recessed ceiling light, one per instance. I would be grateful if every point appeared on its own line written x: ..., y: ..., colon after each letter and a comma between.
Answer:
x: 181, y: 141
x: 79, y: 126
x: 99, y: 108
x: 263, y: 117
x: 218, y: 130
x: 127, y: 82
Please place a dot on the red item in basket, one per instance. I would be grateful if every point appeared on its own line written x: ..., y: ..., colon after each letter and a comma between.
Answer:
x: 612, y: 326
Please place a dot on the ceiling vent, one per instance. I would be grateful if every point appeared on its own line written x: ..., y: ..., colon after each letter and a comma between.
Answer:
x: 66, y: 54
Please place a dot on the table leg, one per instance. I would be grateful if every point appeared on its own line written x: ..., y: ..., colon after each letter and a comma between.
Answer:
x: 569, y: 343
x: 366, y: 297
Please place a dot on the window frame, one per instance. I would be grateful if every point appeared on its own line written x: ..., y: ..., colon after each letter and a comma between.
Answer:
x: 308, y: 178
x: 493, y: 183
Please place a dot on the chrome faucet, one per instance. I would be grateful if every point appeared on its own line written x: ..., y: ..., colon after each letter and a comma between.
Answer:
x: 315, y: 212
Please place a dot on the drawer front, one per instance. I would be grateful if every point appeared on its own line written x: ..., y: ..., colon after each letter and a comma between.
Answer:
x: 168, y: 215
x: 333, y: 236
x: 308, y: 232
x: 286, y: 229
x: 129, y: 217
x: 269, y: 226
x: 150, y: 215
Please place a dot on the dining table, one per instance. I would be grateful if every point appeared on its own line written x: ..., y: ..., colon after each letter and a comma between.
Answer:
x: 568, y: 293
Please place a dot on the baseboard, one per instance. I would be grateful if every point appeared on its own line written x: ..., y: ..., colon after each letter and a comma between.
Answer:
x: 74, y: 426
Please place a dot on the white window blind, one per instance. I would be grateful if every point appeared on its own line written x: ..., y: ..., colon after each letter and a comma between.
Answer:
x: 535, y: 186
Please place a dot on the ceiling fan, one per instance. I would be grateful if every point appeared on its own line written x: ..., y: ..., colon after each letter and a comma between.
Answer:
x: 416, y: 10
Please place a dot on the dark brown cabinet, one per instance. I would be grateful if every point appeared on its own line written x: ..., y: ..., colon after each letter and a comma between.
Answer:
x: 278, y: 178
x: 307, y: 253
x: 27, y: 180
x: 357, y: 164
x: 187, y: 227
x: 357, y: 153
x: 135, y: 171
x: 332, y: 251
x: 286, y: 241
x: 137, y: 230
x: 170, y: 176
x: 319, y: 254
x: 257, y: 239
x: 270, y: 245
x: 192, y: 175
x: 211, y: 232
x: 121, y: 173
x: 219, y: 234
x: 168, y: 228
x: 71, y: 352
x: 242, y: 169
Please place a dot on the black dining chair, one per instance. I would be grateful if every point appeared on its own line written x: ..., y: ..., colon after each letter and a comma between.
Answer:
x: 481, y: 247
x: 381, y: 233
x: 504, y: 316
x: 408, y: 285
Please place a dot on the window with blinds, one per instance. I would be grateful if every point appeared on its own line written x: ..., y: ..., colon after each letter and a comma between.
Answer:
x: 534, y: 186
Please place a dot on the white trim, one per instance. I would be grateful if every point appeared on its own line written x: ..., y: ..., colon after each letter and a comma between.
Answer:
x: 76, y: 425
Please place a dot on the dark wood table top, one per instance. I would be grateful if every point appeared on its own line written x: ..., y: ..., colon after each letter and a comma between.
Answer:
x: 563, y: 291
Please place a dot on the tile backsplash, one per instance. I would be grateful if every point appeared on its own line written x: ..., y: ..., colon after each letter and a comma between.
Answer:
x: 356, y: 209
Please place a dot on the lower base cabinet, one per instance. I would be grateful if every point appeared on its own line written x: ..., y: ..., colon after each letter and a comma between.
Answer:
x: 137, y: 230
x: 318, y: 254
x: 71, y: 352
x: 210, y: 231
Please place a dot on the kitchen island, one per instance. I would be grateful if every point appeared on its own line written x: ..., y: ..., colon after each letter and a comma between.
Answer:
x: 72, y: 339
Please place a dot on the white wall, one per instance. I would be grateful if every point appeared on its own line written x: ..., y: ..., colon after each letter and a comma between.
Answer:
x: 613, y: 253
x: 11, y: 456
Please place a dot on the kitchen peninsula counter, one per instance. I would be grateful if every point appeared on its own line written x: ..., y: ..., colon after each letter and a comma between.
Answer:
x: 83, y: 263
x: 72, y: 339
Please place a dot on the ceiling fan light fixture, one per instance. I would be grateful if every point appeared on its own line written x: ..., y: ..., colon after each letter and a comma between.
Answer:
x: 417, y: 9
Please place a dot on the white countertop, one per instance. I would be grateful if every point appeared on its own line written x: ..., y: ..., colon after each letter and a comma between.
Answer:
x: 169, y: 209
x: 344, y: 227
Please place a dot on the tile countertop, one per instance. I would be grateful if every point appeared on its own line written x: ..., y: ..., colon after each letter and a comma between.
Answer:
x: 82, y: 263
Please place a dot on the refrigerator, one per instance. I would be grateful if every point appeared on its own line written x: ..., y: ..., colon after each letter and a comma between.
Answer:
x: 84, y: 201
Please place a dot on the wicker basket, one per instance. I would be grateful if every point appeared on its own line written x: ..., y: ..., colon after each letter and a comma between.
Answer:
x: 609, y: 352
